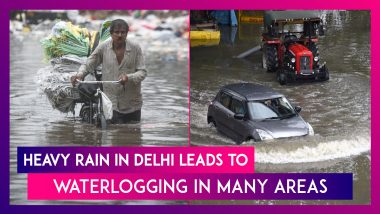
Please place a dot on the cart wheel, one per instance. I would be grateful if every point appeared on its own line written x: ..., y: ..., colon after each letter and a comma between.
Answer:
x: 84, y: 114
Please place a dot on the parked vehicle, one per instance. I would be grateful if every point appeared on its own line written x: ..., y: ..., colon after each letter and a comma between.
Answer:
x: 290, y: 46
x: 247, y: 111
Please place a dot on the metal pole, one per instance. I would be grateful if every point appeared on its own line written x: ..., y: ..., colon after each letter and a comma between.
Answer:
x: 96, y: 82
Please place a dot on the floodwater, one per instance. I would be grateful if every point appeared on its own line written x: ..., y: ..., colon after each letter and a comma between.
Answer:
x: 338, y: 110
x: 33, y: 122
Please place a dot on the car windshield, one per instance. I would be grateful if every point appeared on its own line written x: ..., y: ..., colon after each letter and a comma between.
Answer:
x: 277, y: 108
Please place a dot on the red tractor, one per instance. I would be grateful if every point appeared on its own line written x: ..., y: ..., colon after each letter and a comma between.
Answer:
x: 290, y: 46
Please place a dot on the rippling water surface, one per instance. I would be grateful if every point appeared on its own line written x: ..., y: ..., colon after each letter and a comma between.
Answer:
x: 33, y: 122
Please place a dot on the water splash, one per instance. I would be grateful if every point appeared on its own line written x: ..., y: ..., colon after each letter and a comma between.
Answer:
x: 330, y: 150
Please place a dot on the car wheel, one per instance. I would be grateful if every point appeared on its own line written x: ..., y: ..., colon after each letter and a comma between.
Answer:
x: 241, y: 141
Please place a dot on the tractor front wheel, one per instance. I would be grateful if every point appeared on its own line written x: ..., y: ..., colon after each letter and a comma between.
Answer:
x: 326, y: 76
x: 282, y: 78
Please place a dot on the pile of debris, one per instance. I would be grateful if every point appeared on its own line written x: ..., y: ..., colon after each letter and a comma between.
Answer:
x: 54, y: 80
x: 67, y: 48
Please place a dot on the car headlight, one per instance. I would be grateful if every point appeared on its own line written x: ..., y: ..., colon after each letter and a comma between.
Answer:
x: 293, y: 60
x: 264, y: 135
x: 311, y: 130
x: 316, y: 58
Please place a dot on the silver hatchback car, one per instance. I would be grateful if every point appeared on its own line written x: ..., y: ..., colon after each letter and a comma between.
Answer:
x: 246, y: 111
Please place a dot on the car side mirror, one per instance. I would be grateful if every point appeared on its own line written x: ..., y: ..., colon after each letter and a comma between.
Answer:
x: 239, y: 116
x: 298, y: 109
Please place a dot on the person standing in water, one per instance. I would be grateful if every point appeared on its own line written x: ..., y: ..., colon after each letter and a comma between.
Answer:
x: 121, y: 60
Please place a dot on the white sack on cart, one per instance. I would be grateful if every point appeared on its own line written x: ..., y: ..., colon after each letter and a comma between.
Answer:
x: 107, y: 106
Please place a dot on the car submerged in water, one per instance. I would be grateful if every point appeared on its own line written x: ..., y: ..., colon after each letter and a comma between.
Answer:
x: 247, y: 111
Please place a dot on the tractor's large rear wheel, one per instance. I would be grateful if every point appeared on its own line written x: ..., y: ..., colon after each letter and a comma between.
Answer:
x: 271, y: 58
x: 264, y: 61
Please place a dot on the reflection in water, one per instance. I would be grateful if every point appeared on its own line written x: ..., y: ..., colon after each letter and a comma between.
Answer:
x: 89, y: 135
x: 228, y: 34
x: 338, y: 110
